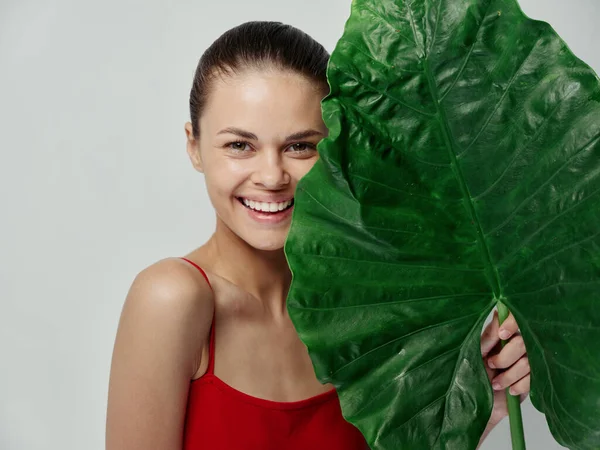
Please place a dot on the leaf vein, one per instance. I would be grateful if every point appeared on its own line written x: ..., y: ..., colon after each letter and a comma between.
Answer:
x: 462, y: 68
x: 437, y: 21
x: 398, y: 264
x: 412, y: 24
x: 395, y: 302
x: 542, y: 353
x: 357, y: 224
x: 564, y: 324
x: 422, y: 410
x: 395, y: 189
x: 573, y: 283
x: 473, y: 328
x: 371, y: 57
x: 546, y: 258
x: 519, y: 151
x: 497, y: 106
x: 403, y: 375
x: 387, y: 94
x: 387, y: 22
x: 542, y: 186
x: 420, y: 330
x: 381, y: 135
x: 570, y: 369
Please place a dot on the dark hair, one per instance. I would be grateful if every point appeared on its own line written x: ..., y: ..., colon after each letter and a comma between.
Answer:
x: 257, y: 45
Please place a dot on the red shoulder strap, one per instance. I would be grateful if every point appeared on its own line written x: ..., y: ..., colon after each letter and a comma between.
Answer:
x: 199, y: 268
x: 211, y: 349
x: 211, y: 345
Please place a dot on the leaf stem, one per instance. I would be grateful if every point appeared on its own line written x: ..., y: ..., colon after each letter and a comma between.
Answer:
x: 513, y: 402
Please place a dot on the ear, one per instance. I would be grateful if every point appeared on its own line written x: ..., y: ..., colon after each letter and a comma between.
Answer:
x: 193, y: 148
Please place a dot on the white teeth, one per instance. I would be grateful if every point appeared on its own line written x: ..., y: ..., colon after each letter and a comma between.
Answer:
x: 266, y: 207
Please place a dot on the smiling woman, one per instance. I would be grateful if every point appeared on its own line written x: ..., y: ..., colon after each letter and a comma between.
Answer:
x: 206, y: 356
x: 276, y: 112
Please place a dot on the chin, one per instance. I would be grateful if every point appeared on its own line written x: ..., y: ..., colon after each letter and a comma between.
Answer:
x: 265, y: 240
x: 270, y: 245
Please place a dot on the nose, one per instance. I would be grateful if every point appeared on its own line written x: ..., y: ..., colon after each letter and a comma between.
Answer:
x: 271, y: 171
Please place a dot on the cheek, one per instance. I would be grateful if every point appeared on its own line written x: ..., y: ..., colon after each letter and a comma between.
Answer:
x: 223, y: 172
x: 303, y: 167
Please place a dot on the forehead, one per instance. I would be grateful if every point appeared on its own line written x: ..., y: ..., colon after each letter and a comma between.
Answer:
x: 264, y: 100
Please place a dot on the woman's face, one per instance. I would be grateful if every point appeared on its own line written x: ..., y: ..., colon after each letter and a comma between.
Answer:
x: 258, y: 137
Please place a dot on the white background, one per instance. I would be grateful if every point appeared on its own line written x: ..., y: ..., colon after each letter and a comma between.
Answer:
x: 95, y: 184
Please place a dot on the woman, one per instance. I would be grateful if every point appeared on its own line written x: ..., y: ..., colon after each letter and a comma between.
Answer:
x: 206, y: 356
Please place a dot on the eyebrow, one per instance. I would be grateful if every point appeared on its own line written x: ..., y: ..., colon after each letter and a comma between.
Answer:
x: 292, y: 137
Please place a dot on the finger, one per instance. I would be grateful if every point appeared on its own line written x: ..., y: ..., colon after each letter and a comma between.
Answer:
x: 510, y: 354
x: 491, y: 373
x: 521, y: 387
x: 508, y: 327
x: 511, y: 376
x: 489, y: 338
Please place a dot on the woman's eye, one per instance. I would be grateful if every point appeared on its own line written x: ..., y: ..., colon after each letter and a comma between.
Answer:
x: 302, y: 147
x: 237, y: 145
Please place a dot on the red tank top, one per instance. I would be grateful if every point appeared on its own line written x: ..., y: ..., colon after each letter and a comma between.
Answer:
x: 220, y: 417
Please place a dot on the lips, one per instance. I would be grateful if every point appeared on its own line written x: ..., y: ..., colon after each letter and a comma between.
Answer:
x: 268, y: 218
x: 266, y: 207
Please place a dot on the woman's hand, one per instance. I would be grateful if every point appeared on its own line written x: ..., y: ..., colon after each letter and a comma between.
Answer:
x: 507, y: 367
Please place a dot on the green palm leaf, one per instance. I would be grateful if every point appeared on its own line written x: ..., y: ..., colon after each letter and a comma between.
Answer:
x: 462, y: 168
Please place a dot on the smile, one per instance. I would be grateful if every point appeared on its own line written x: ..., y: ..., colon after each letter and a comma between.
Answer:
x: 266, y: 207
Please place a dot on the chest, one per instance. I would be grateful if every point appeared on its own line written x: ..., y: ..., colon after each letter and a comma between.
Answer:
x: 264, y: 360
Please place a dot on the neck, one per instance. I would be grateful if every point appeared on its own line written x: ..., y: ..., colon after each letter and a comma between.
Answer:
x: 263, y: 274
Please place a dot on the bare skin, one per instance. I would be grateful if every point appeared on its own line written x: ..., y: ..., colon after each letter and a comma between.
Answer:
x: 255, y: 333
x: 163, y: 336
x: 244, y: 258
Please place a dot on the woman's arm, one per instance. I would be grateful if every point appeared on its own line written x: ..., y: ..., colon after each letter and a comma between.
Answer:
x: 163, y: 328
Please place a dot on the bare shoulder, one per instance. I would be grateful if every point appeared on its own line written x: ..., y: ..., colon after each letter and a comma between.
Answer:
x: 174, y: 293
x: 171, y: 296
x: 175, y: 282
x: 164, y: 325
